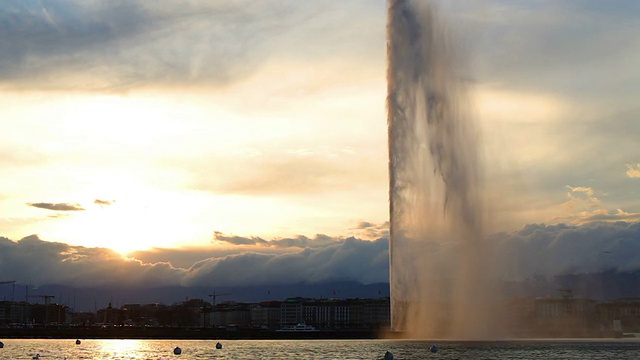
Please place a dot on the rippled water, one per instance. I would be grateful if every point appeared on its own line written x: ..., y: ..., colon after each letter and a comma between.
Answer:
x: 319, y: 349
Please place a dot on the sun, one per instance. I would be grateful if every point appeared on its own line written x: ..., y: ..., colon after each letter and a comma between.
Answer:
x: 130, y: 216
x: 115, y: 149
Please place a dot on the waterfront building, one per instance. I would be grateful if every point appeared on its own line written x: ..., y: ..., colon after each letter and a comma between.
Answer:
x: 266, y: 315
x: 230, y: 315
x: 14, y: 313
x: 336, y: 313
x: 33, y: 314
x: 627, y: 311
x: 566, y: 316
x: 291, y: 311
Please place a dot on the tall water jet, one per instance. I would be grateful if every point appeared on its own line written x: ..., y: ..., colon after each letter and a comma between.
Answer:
x: 437, y: 259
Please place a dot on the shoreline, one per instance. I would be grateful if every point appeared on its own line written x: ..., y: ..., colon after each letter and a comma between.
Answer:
x: 183, y: 333
x: 163, y: 333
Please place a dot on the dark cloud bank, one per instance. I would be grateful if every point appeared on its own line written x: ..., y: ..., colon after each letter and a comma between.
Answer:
x: 120, y: 45
x: 598, y: 260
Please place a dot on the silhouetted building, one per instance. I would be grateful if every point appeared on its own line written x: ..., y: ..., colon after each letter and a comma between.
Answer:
x: 375, y: 313
x: 566, y: 316
x: 110, y: 316
x: 627, y: 311
x: 520, y: 317
x: 266, y: 315
x: 336, y: 313
x: 231, y: 315
x: 291, y: 311
x: 14, y: 313
x: 47, y: 314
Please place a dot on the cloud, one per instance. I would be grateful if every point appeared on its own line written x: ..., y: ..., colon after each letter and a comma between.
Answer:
x: 185, y: 257
x: 612, y: 215
x: 350, y: 259
x: 369, y: 230
x: 535, y: 249
x: 58, y: 216
x: 633, y: 170
x: 581, y: 197
x: 288, y: 172
x: 38, y: 262
x: 285, y: 175
x: 584, y: 207
x: 103, y: 202
x: 580, y: 189
x: 550, y: 250
x: 304, y: 242
x: 58, y: 206
x: 530, y: 44
x: 299, y: 241
x: 122, y: 45
x: 237, y: 240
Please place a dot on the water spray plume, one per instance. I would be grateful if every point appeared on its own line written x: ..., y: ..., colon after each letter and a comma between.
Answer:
x: 435, y: 184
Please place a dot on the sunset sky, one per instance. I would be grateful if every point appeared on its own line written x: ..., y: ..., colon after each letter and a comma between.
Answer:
x: 207, y: 129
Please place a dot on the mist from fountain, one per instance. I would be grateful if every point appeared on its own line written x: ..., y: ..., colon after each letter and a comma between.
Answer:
x: 438, y: 259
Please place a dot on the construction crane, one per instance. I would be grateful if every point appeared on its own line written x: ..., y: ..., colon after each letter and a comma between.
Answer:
x: 47, y: 298
x: 47, y: 301
x: 13, y: 290
x: 215, y: 295
x: 205, y: 311
x: 566, y: 293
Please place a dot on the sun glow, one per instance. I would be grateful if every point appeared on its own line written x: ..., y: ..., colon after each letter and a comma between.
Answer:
x: 128, y: 216
x: 166, y: 169
x: 519, y: 107
x: 121, y: 347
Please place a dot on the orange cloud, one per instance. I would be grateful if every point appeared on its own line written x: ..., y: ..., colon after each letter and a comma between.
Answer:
x: 633, y: 170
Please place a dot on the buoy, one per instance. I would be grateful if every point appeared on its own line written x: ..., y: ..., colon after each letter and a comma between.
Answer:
x: 177, y: 351
x: 1, y: 344
x: 388, y: 356
x: 218, y: 346
x: 433, y: 348
x: 78, y: 342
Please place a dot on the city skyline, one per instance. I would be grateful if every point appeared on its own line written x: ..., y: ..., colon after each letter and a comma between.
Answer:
x: 175, y: 144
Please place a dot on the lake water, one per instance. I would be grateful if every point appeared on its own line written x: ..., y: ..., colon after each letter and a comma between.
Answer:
x: 319, y: 349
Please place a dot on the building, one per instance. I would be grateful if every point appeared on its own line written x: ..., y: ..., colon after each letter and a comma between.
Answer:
x: 566, y: 316
x: 34, y: 314
x: 627, y: 311
x: 14, y: 313
x: 336, y: 313
x: 266, y: 315
x: 291, y: 311
x: 231, y: 315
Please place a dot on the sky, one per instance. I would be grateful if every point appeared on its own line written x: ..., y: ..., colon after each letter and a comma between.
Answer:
x: 182, y: 141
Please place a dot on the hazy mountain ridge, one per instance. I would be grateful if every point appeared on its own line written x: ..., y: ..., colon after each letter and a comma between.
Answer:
x: 605, y: 285
x: 90, y: 299
x: 602, y: 286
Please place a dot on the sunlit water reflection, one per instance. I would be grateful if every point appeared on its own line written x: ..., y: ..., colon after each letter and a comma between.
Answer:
x: 319, y: 349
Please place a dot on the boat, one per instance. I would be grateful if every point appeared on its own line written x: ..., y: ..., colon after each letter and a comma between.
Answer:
x: 300, y: 327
